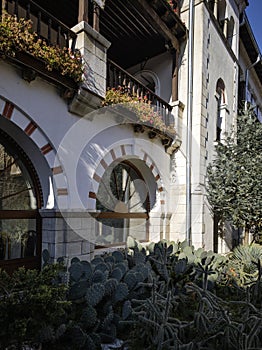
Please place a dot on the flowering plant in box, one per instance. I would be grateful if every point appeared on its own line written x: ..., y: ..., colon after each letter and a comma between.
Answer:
x: 141, y: 106
x: 16, y: 35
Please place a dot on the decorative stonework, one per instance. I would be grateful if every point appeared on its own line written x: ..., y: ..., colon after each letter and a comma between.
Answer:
x: 24, y: 122
x: 120, y: 152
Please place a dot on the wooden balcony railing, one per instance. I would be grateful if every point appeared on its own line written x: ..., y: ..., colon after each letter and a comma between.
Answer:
x: 44, y: 24
x: 118, y: 77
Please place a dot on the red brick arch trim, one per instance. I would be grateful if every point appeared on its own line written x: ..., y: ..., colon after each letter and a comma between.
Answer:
x: 29, y: 126
x: 122, y: 152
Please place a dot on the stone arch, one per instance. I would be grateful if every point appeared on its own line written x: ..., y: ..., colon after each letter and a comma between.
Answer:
x: 221, y: 90
x: 30, y: 136
x: 151, y: 221
x: 122, y: 152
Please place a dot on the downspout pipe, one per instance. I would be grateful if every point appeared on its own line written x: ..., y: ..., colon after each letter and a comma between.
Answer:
x: 189, y: 123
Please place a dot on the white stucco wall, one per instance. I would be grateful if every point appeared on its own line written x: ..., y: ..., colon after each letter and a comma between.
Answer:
x: 212, y: 61
x: 161, y: 65
x: 82, y: 146
x: 254, y: 85
x: 78, y: 145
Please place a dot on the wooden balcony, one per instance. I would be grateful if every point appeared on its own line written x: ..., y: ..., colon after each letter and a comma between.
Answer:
x: 118, y: 77
x: 53, y: 32
x: 44, y: 24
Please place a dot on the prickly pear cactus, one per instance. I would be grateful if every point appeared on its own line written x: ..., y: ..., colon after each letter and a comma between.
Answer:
x: 100, y: 291
x: 95, y: 294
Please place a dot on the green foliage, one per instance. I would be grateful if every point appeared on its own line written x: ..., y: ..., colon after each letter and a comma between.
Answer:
x: 202, y: 307
x: 33, y: 307
x: 244, y: 264
x: 167, y: 296
x: 17, y: 36
x: 100, y: 292
x: 235, y: 176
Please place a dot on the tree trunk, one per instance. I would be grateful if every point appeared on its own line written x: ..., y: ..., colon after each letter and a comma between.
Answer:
x: 246, y: 236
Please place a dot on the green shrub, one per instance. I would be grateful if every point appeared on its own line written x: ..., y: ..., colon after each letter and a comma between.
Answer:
x: 33, y: 307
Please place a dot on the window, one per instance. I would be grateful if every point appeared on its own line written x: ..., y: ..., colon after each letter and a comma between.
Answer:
x: 220, y: 96
x: 20, y: 240
x: 123, y: 202
x: 221, y: 16
x: 211, y: 4
x: 230, y: 30
x: 150, y: 80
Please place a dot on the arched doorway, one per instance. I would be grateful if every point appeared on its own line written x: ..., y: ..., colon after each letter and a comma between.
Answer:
x: 20, y: 200
x: 123, y: 201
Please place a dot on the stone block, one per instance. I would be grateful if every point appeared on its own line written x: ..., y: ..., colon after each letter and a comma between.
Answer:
x: 85, y: 247
x: 59, y: 236
x: 74, y: 223
x: 48, y: 223
x: 72, y: 236
x: 100, y: 52
x: 73, y: 249
x: 60, y: 250
x: 86, y: 257
x: 48, y: 236
x: 88, y: 43
x: 60, y: 224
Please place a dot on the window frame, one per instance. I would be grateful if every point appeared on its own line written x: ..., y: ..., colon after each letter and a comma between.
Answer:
x: 128, y: 215
x: 33, y: 262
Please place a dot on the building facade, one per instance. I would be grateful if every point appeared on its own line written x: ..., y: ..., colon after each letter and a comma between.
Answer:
x: 79, y: 173
x: 215, y: 105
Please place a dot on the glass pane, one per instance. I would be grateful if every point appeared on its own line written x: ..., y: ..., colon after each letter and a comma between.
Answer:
x: 112, y: 231
x: 122, y: 190
x: 16, y: 189
x: 17, y: 238
x: 138, y: 228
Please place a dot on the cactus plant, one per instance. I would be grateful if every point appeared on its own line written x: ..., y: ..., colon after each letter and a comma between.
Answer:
x: 168, y: 295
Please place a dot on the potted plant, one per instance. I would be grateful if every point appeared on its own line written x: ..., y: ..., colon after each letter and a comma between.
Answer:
x: 140, y: 107
x: 17, y: 39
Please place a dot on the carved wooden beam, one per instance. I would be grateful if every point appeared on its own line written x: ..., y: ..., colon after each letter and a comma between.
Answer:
x: 160, y: 25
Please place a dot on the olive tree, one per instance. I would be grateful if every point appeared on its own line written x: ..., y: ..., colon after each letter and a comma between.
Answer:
x: 234, y: 181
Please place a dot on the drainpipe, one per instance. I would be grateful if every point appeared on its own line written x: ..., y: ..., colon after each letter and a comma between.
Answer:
x: 246, y: 79
x: 189, y: 123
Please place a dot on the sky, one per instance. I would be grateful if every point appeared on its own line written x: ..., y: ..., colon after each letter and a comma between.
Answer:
x: 254, y: 11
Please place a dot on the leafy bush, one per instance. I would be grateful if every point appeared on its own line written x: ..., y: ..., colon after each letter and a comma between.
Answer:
x: 33, y: 307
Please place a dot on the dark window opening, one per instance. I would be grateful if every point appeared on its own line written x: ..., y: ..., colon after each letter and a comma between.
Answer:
x: 123, y: 202
x: 20, y: 226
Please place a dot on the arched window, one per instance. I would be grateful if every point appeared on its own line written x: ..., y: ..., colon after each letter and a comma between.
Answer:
x: 230, y: 30
x: 221, y: 15
x: 211, y: 4
x: 220, y: 96
x: 150, y: 80
x: 20, y: 239
x: 123, y: 202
